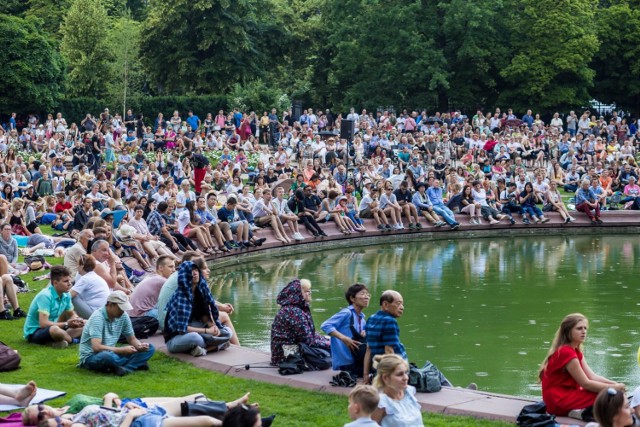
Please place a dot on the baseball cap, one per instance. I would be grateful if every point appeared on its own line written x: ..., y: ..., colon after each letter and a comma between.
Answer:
x: 120, y: 298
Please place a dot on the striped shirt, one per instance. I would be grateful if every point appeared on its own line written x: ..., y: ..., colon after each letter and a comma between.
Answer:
x: 108, y: 331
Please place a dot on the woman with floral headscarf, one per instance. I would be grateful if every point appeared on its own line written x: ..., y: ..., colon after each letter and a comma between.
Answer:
x: 192, y: 324
x: 293, y: 324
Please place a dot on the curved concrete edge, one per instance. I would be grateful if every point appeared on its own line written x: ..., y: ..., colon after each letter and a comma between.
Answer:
x: 449, y: 401
x: 615, y: 222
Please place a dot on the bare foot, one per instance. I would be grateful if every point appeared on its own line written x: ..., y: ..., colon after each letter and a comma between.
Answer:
x: 26, y: 393
x: 242, y: 401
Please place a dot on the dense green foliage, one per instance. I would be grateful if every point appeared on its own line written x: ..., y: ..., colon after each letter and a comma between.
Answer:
x: 437, y: 54
x: 32, y: 68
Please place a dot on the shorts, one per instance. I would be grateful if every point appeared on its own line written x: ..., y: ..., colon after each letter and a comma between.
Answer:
x: 263, y: 220
x: 186, y: 231
x: 366, y: 213
x: 40, y: 336
x: 153, y: 418
x: 32, y: 227
x: 234, y: 225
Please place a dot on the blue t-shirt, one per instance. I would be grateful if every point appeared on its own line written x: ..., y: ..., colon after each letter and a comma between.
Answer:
x: 47, y: 302
x: 226, y: 215
x: 193, y: 122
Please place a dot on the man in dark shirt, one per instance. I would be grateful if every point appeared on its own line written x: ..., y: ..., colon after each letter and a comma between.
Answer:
x: 244, y: 236
x: 404, y: 197
x: 311, y: 202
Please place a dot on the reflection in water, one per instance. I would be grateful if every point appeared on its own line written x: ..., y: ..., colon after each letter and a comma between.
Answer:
x: 483, y: 310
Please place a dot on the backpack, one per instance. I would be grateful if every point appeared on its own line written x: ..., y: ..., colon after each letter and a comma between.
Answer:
x: 144, y: 326
x: 316, y: 358
x: 535, y: 415
x: 425, y: 379
x: 292, y: 365
x: 9, y: 358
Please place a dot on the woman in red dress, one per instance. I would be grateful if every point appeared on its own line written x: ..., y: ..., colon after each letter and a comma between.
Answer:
x: 568, y: 383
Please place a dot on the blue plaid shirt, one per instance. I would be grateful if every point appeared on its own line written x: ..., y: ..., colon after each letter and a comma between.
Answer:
x: 155, y: 222
x: 181, y: 303
x: 383, y: 330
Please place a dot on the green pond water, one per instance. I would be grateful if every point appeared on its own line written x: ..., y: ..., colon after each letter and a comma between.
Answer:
x: 482, y: 310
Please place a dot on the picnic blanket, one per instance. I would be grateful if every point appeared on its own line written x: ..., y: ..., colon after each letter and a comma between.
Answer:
x: 42, y: 395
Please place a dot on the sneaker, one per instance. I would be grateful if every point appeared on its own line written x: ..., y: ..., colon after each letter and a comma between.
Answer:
x: 599, y: 221
x: 323, y: 234
x: 5, y: 315
x: 138, y: 273
x: 298, y: 236
x: 440, y: 223
x: 512, y: 221
x: 536, y: 219
x: 455, y: 226
x: 544, y: 219
x: 223, y: 347
x: 572, y: 219
x: 567, y: 220
x: 198, y: 351
x: 60, y: 344
x: 472, y: 386
x: 228, y: 245
x: 526, y: 221
x: 381, y: 227
x: 472, y: 221
x: 395, y: 227
x: 315, y: 234
x: 418, y: 226
x: 253, y: 227
x: 249, y: 244
x: 576, y: 414
x: 119, y: 371
x: 388, y: 227
x: 18, y: 312
x: 234, y: 245
x: 411, y: 226
x: 260, y: 241
x: 401, y: 225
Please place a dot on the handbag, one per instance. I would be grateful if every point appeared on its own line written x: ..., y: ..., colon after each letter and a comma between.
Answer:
x: 358, y: 355
x: 316, y: 358
x: 292, y: 365
x: 9, y: 358
x: 204, y: 406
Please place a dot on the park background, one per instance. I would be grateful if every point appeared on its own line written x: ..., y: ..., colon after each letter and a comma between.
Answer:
x: 79, y: 56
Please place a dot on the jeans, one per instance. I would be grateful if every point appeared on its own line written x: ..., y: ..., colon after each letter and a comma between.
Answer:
x: 81, y: 307
x: 106, y: 361
x: 446, y: 213
x: 532, y: 210
x: 187, y: 342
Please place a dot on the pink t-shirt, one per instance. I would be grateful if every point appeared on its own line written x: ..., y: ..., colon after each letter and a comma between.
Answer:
x: 145, y: 295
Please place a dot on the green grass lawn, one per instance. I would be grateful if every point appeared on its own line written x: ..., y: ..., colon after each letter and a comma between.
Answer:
x: 56, y: 369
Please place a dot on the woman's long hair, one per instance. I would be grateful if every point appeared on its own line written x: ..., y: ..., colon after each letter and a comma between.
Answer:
x: 562, y: 337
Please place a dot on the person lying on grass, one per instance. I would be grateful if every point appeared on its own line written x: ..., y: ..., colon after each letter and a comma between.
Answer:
x: 148, y: 411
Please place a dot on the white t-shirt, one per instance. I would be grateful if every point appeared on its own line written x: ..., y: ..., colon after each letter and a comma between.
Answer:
x: 182, y: 199
x: 183, y: 220
x: 93, y: 289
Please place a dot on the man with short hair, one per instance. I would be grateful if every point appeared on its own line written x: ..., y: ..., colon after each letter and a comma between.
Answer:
x: 144, y: 299
x: 98, y: 350
x: 382, y: 330
x: 106, y: 267
x: 51, y: 318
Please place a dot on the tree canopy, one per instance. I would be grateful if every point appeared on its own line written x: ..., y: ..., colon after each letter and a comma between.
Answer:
x: 33, y: 69
x: 434, y: 54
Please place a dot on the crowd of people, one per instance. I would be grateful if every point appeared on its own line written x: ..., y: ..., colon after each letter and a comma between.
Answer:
x: 129, y: 197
